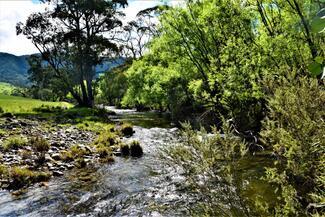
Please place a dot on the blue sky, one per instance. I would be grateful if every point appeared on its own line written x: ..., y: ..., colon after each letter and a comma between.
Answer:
x: 12, y: 12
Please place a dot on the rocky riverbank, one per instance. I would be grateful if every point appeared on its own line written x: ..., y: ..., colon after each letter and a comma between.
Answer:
x: 34, y: 150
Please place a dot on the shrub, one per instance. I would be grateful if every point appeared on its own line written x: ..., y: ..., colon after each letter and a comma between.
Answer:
x: 136, y: 149
x: 39, y: 144
x: 14, y: 142
x: 127, y: 129
x: 295, y: 131
x: 1, y: 110
x: 208, y: 163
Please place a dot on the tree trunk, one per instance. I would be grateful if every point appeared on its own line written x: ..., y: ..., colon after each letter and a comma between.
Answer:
x: 90, y: 93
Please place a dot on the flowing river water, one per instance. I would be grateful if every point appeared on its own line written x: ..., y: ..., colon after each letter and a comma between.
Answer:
x: 144, y: 186
x: 129, y: 187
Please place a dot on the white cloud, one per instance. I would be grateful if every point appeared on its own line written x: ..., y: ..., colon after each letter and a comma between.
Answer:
x: 14, y: 11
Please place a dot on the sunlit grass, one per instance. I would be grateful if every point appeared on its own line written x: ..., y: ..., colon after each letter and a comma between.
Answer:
x: 6, y: 89
x: 19, y: 105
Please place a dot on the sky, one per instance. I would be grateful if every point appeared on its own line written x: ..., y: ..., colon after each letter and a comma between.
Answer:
x: 14, y: 11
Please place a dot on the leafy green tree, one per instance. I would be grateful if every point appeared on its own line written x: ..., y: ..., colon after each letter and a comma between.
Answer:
x: 210, y: 46
x: 113, y: 85
x: 70, y: 37
x: 287, y: 39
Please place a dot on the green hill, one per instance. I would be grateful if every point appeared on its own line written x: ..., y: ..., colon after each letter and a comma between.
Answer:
x: 13, y: 69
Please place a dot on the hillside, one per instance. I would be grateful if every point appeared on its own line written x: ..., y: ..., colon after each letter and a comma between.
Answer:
x: 13, y: 69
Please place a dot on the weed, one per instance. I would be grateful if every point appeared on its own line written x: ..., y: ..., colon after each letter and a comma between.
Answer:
x: 20, y: 177
x: 39, y: 144
x: 14, y: 142
x: 106, y: 138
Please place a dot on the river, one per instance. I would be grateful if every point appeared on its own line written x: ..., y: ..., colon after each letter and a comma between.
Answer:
x: 143, y: 186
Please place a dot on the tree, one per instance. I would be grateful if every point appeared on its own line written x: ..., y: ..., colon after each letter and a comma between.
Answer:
x: 45, y: 85
x: 73, y: 37
x: 138, y: 33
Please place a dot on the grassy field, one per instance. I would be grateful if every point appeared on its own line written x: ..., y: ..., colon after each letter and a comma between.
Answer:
x: 18, y: 105
x: 6, y: 89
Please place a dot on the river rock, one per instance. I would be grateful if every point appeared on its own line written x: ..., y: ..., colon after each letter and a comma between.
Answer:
x: 57, y: 173
x: 48, y: 158
x: 56, y: 156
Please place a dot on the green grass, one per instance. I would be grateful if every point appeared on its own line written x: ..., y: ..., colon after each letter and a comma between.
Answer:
x: 6, y: 89
x: 21, y: 105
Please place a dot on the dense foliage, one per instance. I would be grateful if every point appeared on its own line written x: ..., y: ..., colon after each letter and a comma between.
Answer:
x: 295, y: 130
x: 215, y: 53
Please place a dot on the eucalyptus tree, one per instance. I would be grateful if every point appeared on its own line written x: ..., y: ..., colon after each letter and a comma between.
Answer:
x: 73, y: 36
x: 137, y: 34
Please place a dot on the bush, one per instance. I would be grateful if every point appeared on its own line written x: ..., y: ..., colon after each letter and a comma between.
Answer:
x: 1, y: 110
x: 208, y: 163
x: 295, y: 131
x: 39, y: 144
x: 136, y: 149
x: 127, y: 129
x: 14, y: 142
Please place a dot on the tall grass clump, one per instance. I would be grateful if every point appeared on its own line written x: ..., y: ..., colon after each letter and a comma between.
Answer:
x: 14, y: 142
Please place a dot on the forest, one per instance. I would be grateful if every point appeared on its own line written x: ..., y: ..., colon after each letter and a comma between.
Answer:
x: 242, y: 81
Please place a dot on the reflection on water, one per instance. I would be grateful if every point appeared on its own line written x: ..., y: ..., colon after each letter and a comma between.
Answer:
x: 142, y: 119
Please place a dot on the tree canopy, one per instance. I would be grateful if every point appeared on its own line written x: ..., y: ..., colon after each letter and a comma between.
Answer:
x: 73, y: 37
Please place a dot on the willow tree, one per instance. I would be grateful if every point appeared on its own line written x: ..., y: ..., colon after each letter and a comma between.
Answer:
x: 74, y: 36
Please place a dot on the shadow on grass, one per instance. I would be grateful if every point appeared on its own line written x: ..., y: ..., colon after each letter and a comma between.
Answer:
x: 62, y: 115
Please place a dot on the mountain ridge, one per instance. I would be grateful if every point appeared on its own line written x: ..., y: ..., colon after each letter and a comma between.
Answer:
x: 13, y: 68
